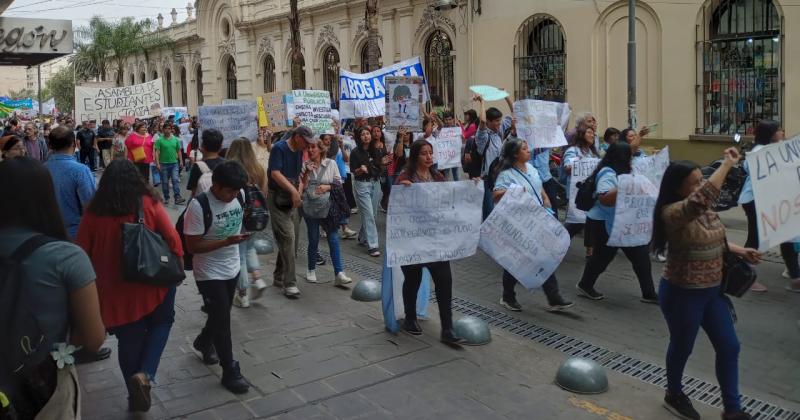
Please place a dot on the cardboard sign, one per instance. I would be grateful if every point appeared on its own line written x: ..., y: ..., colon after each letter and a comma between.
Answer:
x: 539, y: 123
x: 363, y: 95
x: 633, y: 213
x: 447, y: 148
x: 314, y: 109
x: 233, y: 120
x: 275, y: 108
x: 652, y: 167
x: 403, y: 102
x: 581, y: 169
x: 263, y: 120
x: 144, y: 100
x: 178, y: 111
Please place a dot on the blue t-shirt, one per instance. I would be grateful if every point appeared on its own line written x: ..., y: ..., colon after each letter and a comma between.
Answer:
x: 746, y: 196
x: 529, y: 180
x: 341, y: 165
x: 606, y: 181
x: 541, y: 161
x: 74, y: 186
x: 286, y: 161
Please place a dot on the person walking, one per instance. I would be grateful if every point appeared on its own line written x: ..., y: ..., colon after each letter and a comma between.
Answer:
x: 366, y: 163
x: 35, y: 145
x: 600, y: 221
x: 489, y: 144
x: 118, y: 150
x: 379, y: 143
x: 87, y: 140
x: 167, y: 153
x: 419, y: 168
x: 139, y: 315
x: 583, y: 147
x: 335, y: 151
x: 211, y: 146
x: 135, y: 144
x: 12, y: 146
x: 105, y: 136
x: 686, y: 226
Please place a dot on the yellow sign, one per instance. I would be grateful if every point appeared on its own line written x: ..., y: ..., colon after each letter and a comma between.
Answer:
x: 263, y: 120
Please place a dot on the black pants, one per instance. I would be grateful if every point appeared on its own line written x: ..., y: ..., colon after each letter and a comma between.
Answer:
x: 550, y: 287
x: 348, y: 192
x: 88, y: 154
x: 787, y: 248
x: 218, y: 298
x: 602, y: 255
x: 443, y: 283
x: 551, y: 189
x: 144, y: 169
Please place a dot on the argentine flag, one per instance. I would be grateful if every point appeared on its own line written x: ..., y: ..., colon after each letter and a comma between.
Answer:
x: 392, y: 296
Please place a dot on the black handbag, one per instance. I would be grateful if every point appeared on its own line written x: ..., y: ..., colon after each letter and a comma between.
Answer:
x: 737, y: 274
x: 146, y: 258
x: 585, y: 199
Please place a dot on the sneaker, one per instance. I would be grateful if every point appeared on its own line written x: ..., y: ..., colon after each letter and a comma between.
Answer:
x: 793, y: 286
x: 650, y: 299
x: 241, y: 300
x: 736, y: 415
x: 179, y: 200
x: 449, y: 337
x: 342, y: 279
x: 233, y: 380
x: 320, y: 260
x: 412, y: 327
x: 323, y: 234
x: 511, y: 306
x: 758, y: 287
x: 589, y: 293
x: 681, y: 406
x: 206, y: 349
x: 291, y: 291
x: 348, y: 233
x: 354, y: 210
x: 558, y: 304
x: 139, y: 393
x: 785, y: 273
x: 311, y: 276
x: 661, y: 257
x: 258, y: 288
x: 374, y: 252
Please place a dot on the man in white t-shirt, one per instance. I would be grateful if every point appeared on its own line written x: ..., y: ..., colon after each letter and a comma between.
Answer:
x: 212, y: 226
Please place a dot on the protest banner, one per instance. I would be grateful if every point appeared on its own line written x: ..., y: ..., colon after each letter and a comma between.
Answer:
x: 653, y: 167
x: 313, y: 107
x: 539, y: 123
x: 403, y: 102
x: 233, y: 120
x: 263, y: 120
x: 144, y: 100
x: 447, y: 148
x: 433, y: 221
x: 633, y: 213
x: 26, y: 103
x: 229, y: 101
x: 524, y: 238
x: 363, y: 95
x: 581, y: 169
x: 275, y: 108
x: 178, y: 111
x: 775, y: 174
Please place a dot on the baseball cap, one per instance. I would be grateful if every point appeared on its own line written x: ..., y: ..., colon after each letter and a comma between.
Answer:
x: 306, y: 134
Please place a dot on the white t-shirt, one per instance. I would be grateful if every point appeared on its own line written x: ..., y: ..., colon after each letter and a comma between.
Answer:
x: 226, y: 220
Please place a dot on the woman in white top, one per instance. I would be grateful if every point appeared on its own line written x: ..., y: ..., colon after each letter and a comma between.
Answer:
x: 585, y: 147
x: 319, y: 175
x: 262, y: 147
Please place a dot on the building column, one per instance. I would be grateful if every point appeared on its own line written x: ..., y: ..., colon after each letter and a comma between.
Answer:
x: 245, y: 44
x: 388, y: 56
x: 405, y: 30
x: 280, y: 79
x: 309, y: 57
x: 344, y: 43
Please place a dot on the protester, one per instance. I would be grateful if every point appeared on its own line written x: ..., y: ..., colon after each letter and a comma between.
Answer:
x: 585, y: 120
x: 610, y: 136
x: 211, y: 146
x: 139, y: 315
x: 402, y: 149
x: 135, y: 144
x: 35, y: 145
x: 379, y: 143
x: 60, y: 283
x: 584, y: 147
x: 262, y: 147
x: 155, y: 131
x: 167, y: 156
x: 13, y: 146
x: 514, y: 169
x: 283, y: 200
x: 489, y: 142
x: 241, y: 151
x: 335, y: 151
x: 118, y: 149
x: 216, y: 266
x: 87, y: 140
x: 690, y: 296
x: 419, y: 168
x: 105, y: 136
x: 471, y: 160
x: 599, y: 223
x: 366, y: 163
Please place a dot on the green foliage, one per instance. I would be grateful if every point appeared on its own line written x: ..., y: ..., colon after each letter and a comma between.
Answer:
x: 61, y: 86
x: 21, y: 94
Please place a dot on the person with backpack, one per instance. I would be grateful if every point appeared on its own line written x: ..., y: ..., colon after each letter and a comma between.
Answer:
x: 584, y: 146
x: 201, y: 173
x: 471, y: 160
x: 47, y: 292
x: 489, y: 142
x: 241, y: 151
x: 599, y: 223
x: 515, y: 169
x: 139, y: 315
x: 216, y: 265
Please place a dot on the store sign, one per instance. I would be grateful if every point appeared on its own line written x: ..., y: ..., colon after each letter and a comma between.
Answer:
x: 35, y: 36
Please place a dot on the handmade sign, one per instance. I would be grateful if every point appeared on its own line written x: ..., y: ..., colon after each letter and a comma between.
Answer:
x: 433, y: 221
x: 314, y: 109
x: 489, y: 93
x: 447, y: 148
x: 233, y: 120
x: 539, y: 123
x: 633, y: 213
x: 275, y: 108
x: 140, y: 101
x: 581, y: 169
x: 177, y: 111
x: 524, y: 238
x: 653, y: 167
x: 363, y: 95
x: 775, y: 173
x: 403, y: 102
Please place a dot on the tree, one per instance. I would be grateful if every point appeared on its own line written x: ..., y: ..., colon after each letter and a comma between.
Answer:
x: 371, y: 22
x: 296, y: 49
x: 21, y: 94
x: 61, y: 86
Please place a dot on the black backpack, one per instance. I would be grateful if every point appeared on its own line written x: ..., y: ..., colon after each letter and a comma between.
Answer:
x: 256, y: 215
x: 584, y: 198
x: 474, y: 167
x: 201, y: 198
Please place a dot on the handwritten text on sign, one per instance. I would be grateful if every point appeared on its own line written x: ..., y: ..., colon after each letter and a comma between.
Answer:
x: 447, y: 148
x: 581, y: 169
x: 363, y: 95
x: 538, y: 123
x: 524, y: 238
x: 775, y: 174
x: 433, y: 221
x: 234, y: 120
x: 653, y: 167
x: 314, y: 109
x: 142, y: 101
x: 633, y: 214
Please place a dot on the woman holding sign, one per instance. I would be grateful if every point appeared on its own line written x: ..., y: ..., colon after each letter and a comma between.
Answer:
x: 515, y: 169
x: 419, y: 168
x: 584, y: 147
x: 366, y: 163
x: 690, y: 297
x: 599, y: 223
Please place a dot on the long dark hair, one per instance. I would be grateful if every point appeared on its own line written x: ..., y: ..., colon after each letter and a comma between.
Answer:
x: 413, y: 157
x: 508, y: 155
x: 473, y: 117
x: 333, y: 150
x: 582, y: 144
x: 669, y: 193
x: 357, y: 135
x: 120, y: 190
x: 764, y: 131
x: 33, y: 206
x: 618, y: 157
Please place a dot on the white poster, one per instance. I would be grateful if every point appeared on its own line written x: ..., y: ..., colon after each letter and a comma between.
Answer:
x: 447, y: 148
x: 539, y: 123
x: 140, y: 101
x: 403, y: 102
x: 389, y: 140
x: 233, y: 120
x: 653, y: 167
x: 177, y: 111
x: 524, y: 238
x: 633, y: 213
x: 775, y: 174
x: 314, y: 109
x: 581, y: 169
x: 363, y: 95
x: 433, y: 221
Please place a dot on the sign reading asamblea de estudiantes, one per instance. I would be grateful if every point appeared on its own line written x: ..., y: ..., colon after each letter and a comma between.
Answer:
x: 142, y: 101
x: 35, y: 36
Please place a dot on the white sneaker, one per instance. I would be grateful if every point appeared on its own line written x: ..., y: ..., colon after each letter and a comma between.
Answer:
x: 322, y: 234
x: 291, y: 291
x: 258, y: 288
x: 311, y: 276
x: 348, y: 233
x: 785, y: 273
x: 342, y: 279
x: 241, y: 301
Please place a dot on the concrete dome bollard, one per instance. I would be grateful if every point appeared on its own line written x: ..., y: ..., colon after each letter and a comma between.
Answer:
x: 367, y: 291
x: 582, y: 376
x: 474, y: 330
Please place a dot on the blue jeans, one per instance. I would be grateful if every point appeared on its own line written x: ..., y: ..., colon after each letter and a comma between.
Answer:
x: 454, y: 171
x: 312, y: 226
x: 141, y: 343
x: 156, y: 175
x: 368, y: 195
x: 686, y: 310
x: 248, y: 260
x: 170, y: 171
x: 488, y: 201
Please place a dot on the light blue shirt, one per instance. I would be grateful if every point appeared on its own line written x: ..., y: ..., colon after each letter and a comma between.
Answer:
x: 541, y: 161
x: 74, y: 185
x: 490, y: 143
x: 570, y: 156
x: 606, y: 181
x: 746, y: 196
x: 342, y: 166
x: 529, y: 180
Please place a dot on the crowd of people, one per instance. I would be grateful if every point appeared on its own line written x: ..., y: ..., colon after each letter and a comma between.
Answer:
x: 74, y: 227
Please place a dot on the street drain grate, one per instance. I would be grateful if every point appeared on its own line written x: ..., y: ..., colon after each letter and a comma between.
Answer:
x: 696, y: 389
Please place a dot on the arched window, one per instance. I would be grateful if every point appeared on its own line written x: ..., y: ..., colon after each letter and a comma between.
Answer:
x: 230, y: 78
x: 184, y: 92
x: 365, y: 59
x: 439, y: 69
x: 142, y: 78
x: 269, y: 74
x: 198, y: 79
x: 331, y: 72
x: 741, y: 73
x: 539, y: 60
x: 168, y: 83
x: 298, y: 73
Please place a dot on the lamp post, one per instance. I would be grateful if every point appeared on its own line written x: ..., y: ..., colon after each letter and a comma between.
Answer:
x: 632, y: 64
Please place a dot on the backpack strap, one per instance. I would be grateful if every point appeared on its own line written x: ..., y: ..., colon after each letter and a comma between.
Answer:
x: 30, y: 245
x: 204, y: 169
x: 202, y: 198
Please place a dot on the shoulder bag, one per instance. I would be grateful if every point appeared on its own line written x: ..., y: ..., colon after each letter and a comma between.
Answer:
x: 146, y: 258
x: 737, y: 274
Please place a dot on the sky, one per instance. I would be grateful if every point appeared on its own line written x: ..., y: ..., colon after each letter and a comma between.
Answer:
x: 80, y: 11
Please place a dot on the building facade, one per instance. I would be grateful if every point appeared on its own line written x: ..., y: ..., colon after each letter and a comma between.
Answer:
x: 705, y: 68
x: 48, y: 69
